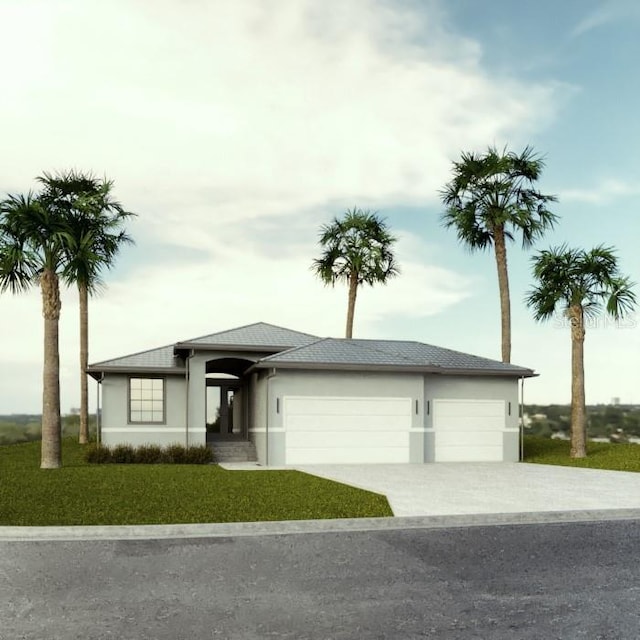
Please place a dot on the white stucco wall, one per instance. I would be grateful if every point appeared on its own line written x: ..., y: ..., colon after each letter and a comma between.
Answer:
x: 333, y: 383
x: 474, y: 388
x: 115, y: 426
x: 258, y: 414
x: 197, y: 365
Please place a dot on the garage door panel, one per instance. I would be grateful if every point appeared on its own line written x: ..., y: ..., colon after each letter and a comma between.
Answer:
x: 468, y: 430
x: 324, y: 430
x: 352, y: 423
x: 469, y: 408
x: 347, y: 406
x: 469, y: 454
x: 346, y: 440
x: 469, y: 439
x: 362, y: 455
x: 479, y: 423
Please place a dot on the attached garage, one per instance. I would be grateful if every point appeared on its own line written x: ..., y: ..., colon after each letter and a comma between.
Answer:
x: 469, y: 430
x: 346, y: 429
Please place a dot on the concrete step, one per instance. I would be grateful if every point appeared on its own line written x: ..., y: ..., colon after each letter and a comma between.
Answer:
x: 233, y: 451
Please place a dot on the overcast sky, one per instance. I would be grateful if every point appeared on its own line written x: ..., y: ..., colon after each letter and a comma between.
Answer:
x: 235, y: 128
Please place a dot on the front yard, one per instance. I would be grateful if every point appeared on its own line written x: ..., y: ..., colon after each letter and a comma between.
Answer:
x: 82, y: 494
x: 600, y: 455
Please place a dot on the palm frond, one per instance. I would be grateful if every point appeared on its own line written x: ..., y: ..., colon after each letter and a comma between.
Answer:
x: 495, y: 191
x: 358, y: 245
x: 575, y: 277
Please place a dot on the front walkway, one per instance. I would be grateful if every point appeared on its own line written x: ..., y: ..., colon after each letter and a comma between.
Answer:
x: 488, y: 487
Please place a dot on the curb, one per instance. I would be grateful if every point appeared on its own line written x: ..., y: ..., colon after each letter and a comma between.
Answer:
x: 290, y: 527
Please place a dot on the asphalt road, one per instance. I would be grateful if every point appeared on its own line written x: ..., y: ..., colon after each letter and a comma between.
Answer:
x: 551, y: 581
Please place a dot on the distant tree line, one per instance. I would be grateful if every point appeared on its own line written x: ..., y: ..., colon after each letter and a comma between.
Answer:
x: 603, y: 421
x: 28, y: 428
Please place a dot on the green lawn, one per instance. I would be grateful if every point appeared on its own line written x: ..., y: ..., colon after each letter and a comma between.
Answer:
x: 82, y: 494
x: 600, y: 455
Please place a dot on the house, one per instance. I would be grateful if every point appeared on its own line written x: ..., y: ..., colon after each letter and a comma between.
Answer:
x: 304, y: 399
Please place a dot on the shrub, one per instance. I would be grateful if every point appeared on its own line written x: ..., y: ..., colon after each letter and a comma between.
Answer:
x: 199, y: 455
x: 147, y: 454
x: 123, y: 453
x: 175, y: 454
x: 97, y: 453
x: 150, y: 454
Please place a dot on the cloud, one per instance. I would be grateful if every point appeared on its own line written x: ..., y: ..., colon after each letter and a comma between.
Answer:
x: 606, y: 13
x: 234, y: 129
x: 605, y: 191
x: 268, y: 106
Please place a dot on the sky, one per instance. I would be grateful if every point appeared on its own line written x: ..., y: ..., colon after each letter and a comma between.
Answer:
x: 234, y: 129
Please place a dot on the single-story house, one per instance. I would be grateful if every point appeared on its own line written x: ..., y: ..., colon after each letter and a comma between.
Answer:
x: 304, y: 399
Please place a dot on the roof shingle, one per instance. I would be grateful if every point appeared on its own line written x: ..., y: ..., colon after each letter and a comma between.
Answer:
x: 296, y: 349
x: 389, y: 353
x: 161, y: 358
x: 260, y: 334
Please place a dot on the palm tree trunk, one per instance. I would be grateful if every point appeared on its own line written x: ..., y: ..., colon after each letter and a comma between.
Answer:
x: 83, y: 294
x: 503, y: 285
x: 353, y: 292
x: 578, y: 405
x: 51, y: 454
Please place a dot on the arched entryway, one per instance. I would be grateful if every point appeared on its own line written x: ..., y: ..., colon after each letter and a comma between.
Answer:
x: 227, y: 405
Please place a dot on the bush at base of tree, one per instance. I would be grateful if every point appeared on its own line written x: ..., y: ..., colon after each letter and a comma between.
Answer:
x: 148, y: 454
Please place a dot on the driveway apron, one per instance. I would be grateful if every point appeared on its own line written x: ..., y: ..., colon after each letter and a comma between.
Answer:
x: 491, y: 487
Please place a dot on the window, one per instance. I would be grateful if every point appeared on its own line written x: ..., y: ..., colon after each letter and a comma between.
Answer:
x: 146, y: 399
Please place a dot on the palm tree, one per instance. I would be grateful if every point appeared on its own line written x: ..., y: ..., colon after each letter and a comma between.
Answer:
x: 491, y: 199
x: 96, y: 236
x: 358, y: 249
x: 33, y: 241
x: 582, y: 283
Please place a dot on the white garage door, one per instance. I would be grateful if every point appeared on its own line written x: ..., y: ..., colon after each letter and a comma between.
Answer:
x: 469, y: 430
x: 346, y: 430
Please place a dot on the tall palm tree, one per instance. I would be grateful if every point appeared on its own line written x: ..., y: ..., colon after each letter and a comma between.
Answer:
x: 96, y: 236
x: 490, y: 199
x: 581, y: 283
x: 33, y: 241
x: 358, y: 249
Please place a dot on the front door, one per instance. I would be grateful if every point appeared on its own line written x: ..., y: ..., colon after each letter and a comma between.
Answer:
x: 224, y: 411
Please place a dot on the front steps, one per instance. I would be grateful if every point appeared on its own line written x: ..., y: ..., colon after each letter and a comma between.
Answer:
x: 233, y: 451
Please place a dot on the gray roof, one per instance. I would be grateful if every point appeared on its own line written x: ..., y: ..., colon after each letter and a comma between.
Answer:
x: 391, y: 354
x: 302, y: 350
x: 161, y: 358
x: 259, y: 334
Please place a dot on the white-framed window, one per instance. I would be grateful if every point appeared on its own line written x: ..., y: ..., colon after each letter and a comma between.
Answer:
x: 146, y: 400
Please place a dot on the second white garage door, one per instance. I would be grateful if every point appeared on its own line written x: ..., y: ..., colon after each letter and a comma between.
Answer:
x: 325, y: 430
x: 469, y: 430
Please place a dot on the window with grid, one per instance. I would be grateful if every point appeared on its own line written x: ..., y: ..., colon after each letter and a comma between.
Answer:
x: 146, y: 400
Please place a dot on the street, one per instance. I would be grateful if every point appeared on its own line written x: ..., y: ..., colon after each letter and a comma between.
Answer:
x: 545, y: 581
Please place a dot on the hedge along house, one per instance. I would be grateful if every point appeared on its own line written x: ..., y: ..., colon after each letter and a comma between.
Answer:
x: 302, y: 399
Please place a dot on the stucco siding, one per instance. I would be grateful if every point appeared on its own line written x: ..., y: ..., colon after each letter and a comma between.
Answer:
x: 511, y: 445
x: 342, y: 384
x: 197, y: 365
x: 258, y: 415
x: 115, y: 426
x: 474, y: 388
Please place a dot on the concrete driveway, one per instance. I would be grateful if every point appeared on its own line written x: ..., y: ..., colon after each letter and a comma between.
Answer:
x: 489, y: 487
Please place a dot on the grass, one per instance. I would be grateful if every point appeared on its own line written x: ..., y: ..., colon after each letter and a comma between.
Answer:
x: 600, y: 455
x: 82, y: 494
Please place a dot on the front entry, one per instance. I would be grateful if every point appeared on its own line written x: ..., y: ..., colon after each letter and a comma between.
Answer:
x: 224, y: 410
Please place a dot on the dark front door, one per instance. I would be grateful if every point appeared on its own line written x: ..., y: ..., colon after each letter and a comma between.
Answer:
x: 224, y: 413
